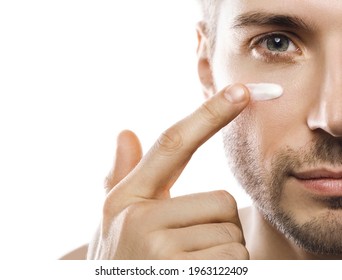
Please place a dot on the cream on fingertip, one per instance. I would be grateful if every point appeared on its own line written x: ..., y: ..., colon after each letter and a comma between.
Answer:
x: 264, y: 91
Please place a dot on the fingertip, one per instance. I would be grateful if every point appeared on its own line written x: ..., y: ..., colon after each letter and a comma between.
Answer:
x: 128, y: 154
x: 126, y: 134
x: 237, y: 93
x: 127, y: 139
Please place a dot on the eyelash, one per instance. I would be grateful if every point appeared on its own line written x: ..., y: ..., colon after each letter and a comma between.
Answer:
x: 273, y: 56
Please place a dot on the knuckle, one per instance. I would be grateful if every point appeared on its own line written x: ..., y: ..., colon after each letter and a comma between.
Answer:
x: 136, y: 213
x: 130, y: 214
x: 114, y: 202
x: 240, y: 251
x: 157, y: 246
x: 210, y: 114
x: 170, y: 141
x: 235, y: 233
x: 235, y: 251
x: 225, y: 200
x: 133, y: 220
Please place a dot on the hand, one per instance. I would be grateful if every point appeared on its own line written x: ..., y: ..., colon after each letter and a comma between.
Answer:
x: 141, y: 221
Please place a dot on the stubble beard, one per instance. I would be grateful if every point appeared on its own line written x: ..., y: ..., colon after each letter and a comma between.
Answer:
x: 321, y: 235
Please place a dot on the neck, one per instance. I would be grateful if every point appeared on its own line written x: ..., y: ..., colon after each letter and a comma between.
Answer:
x: 264, y: 242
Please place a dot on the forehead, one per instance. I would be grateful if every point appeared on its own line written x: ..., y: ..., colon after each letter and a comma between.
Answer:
x: 320, y: 13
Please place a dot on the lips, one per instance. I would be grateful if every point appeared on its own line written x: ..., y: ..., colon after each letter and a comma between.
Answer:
x: 323, y: 182
x: 319, y: 174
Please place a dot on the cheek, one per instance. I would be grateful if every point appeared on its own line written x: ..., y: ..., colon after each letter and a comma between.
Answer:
x: 230, y: 67
x: 280, y: 123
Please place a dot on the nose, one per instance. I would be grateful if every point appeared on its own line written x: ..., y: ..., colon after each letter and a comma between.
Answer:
x: 327, y: 115
x: 326, y: 112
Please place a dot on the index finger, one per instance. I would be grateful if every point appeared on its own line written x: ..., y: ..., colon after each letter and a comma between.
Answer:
x: 162, y: 165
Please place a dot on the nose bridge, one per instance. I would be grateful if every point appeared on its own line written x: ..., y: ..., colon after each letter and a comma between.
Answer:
x: 333, y: 61
x: 327, y: 112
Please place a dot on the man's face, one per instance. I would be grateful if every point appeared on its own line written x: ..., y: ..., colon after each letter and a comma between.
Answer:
x: 287, y: 153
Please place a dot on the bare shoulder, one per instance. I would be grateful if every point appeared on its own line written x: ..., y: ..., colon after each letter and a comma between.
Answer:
x: 77, y: 254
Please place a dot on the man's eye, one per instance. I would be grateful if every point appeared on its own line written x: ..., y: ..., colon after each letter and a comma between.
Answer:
x: 275, y: 48
x: 277, y: 43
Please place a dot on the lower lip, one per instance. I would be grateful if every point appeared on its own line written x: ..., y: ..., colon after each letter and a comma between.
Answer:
x: 323, y: 187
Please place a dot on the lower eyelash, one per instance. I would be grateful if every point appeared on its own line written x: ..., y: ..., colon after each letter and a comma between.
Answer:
x: 272, y: 57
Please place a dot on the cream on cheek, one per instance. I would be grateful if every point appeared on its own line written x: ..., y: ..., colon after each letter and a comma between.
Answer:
x: 264, y: 91
x: 277, y: 123
x: 233, y: 61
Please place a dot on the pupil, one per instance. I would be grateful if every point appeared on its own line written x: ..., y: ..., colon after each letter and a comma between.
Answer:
x: 278, y: 44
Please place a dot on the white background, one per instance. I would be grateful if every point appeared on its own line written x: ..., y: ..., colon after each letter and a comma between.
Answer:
x: 72, y: 75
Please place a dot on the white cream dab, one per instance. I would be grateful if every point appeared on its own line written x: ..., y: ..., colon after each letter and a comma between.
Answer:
x: 264, y: 91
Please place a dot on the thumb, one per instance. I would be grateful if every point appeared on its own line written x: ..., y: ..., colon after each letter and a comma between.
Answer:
x: 127, y: 156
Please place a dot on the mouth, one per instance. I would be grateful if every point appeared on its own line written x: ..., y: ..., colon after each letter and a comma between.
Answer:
x: 322, y: 182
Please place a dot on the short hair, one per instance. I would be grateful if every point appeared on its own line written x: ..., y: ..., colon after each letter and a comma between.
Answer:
x: 210, y: 10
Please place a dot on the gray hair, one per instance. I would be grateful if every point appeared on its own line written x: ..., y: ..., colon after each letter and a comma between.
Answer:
x: 210, y: 9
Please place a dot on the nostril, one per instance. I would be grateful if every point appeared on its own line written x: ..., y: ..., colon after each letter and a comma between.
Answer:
x: 332, y: 126
x: 327, y: 118
x: 317, y: 120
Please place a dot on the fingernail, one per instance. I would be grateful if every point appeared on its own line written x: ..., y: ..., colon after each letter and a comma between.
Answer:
x: 235, y: 94
x: 264, y: 91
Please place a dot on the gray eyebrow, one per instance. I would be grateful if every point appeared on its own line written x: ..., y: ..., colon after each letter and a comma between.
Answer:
x: 270, y: 19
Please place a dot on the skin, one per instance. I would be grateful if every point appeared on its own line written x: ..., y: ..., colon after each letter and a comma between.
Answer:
x: 164, y: 235
x: 297, y: 127
x: 304, y: 126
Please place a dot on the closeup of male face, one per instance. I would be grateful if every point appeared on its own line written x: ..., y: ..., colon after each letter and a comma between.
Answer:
x: 287, y: 152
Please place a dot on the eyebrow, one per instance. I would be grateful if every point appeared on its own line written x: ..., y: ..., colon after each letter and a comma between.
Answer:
x: 270, y: 19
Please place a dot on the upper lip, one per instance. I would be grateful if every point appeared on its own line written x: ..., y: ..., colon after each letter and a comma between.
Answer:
x: 321, y: 173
